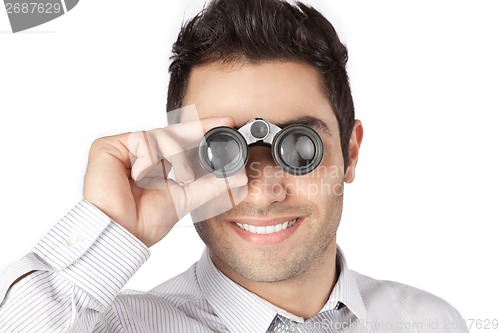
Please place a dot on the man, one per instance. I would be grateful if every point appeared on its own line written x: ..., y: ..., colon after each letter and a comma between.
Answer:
x: 272, y: 263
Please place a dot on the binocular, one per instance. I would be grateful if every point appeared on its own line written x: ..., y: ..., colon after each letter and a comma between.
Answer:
x: 297, y: 149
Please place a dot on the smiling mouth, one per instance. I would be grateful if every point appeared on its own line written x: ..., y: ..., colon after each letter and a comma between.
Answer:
x: 267, y: 230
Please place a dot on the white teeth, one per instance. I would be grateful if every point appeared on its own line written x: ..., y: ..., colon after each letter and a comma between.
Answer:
x: 269, y: 229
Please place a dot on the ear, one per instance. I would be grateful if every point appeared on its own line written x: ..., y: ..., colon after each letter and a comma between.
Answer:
x: 354, y: 144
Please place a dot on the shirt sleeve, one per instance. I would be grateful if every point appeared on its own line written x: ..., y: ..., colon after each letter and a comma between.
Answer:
x: 72, y: 276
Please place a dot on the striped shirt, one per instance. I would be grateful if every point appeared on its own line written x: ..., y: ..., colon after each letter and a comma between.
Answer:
x: 81, y: 265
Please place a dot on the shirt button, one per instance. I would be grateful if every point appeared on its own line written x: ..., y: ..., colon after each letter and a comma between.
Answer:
x: 74, y: 240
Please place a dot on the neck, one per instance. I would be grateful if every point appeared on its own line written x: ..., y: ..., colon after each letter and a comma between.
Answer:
x: 304, y: 295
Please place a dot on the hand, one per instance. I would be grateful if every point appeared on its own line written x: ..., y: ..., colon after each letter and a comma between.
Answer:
x: 127, y: 178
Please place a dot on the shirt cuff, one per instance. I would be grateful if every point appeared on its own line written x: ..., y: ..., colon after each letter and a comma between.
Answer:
x: 16, y: 270
x: 93, y: 252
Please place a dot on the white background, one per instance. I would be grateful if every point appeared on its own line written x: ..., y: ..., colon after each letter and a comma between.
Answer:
x: 425, y: 78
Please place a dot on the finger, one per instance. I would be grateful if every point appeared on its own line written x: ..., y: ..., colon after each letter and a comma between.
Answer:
x: 207, y: 188
x: 174, y: 151
x: 191, y: 132
x: 143, y: 153
x: 148, y: 161
x: 154, y: 177
x: 183, y: 171
x: 220, y: 204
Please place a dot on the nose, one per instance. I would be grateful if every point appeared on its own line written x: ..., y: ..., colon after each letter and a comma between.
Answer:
x: 266, y: 180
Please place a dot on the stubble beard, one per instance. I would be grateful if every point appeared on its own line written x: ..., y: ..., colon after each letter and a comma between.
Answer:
x: 273, y: 265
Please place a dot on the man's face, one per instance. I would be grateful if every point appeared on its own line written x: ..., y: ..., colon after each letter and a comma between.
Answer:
x: 306, y: 208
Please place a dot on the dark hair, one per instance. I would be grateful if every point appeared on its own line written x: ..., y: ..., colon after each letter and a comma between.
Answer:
x: 259, y: 30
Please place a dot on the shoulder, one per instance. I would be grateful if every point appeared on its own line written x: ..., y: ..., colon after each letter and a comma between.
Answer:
x: 181, y: 288
x: 392, y: 291
x: 176, y: 305
x: 176, y: 292
x: 409, y: 303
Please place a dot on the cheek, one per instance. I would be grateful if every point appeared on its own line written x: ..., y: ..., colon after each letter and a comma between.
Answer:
x: 318, y: 187
x: 210, y: 230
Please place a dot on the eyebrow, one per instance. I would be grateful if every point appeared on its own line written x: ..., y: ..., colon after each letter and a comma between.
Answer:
x: 307, y: 121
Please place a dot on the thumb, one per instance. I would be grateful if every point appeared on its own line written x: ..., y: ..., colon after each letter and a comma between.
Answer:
x: 199, y: 192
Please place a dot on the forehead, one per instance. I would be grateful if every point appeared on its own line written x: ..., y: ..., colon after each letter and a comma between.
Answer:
x: 276, y: 91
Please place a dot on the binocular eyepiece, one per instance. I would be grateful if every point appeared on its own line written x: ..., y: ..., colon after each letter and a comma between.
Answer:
x: 297, y: 149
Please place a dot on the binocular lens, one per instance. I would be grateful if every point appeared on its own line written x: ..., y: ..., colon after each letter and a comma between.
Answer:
x: 298, y: 150
x: 223, y: 152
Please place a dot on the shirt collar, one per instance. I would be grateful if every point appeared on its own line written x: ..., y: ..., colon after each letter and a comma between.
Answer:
x: 240, y: 309
x: 243, y: 311
x: 346, y: 290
